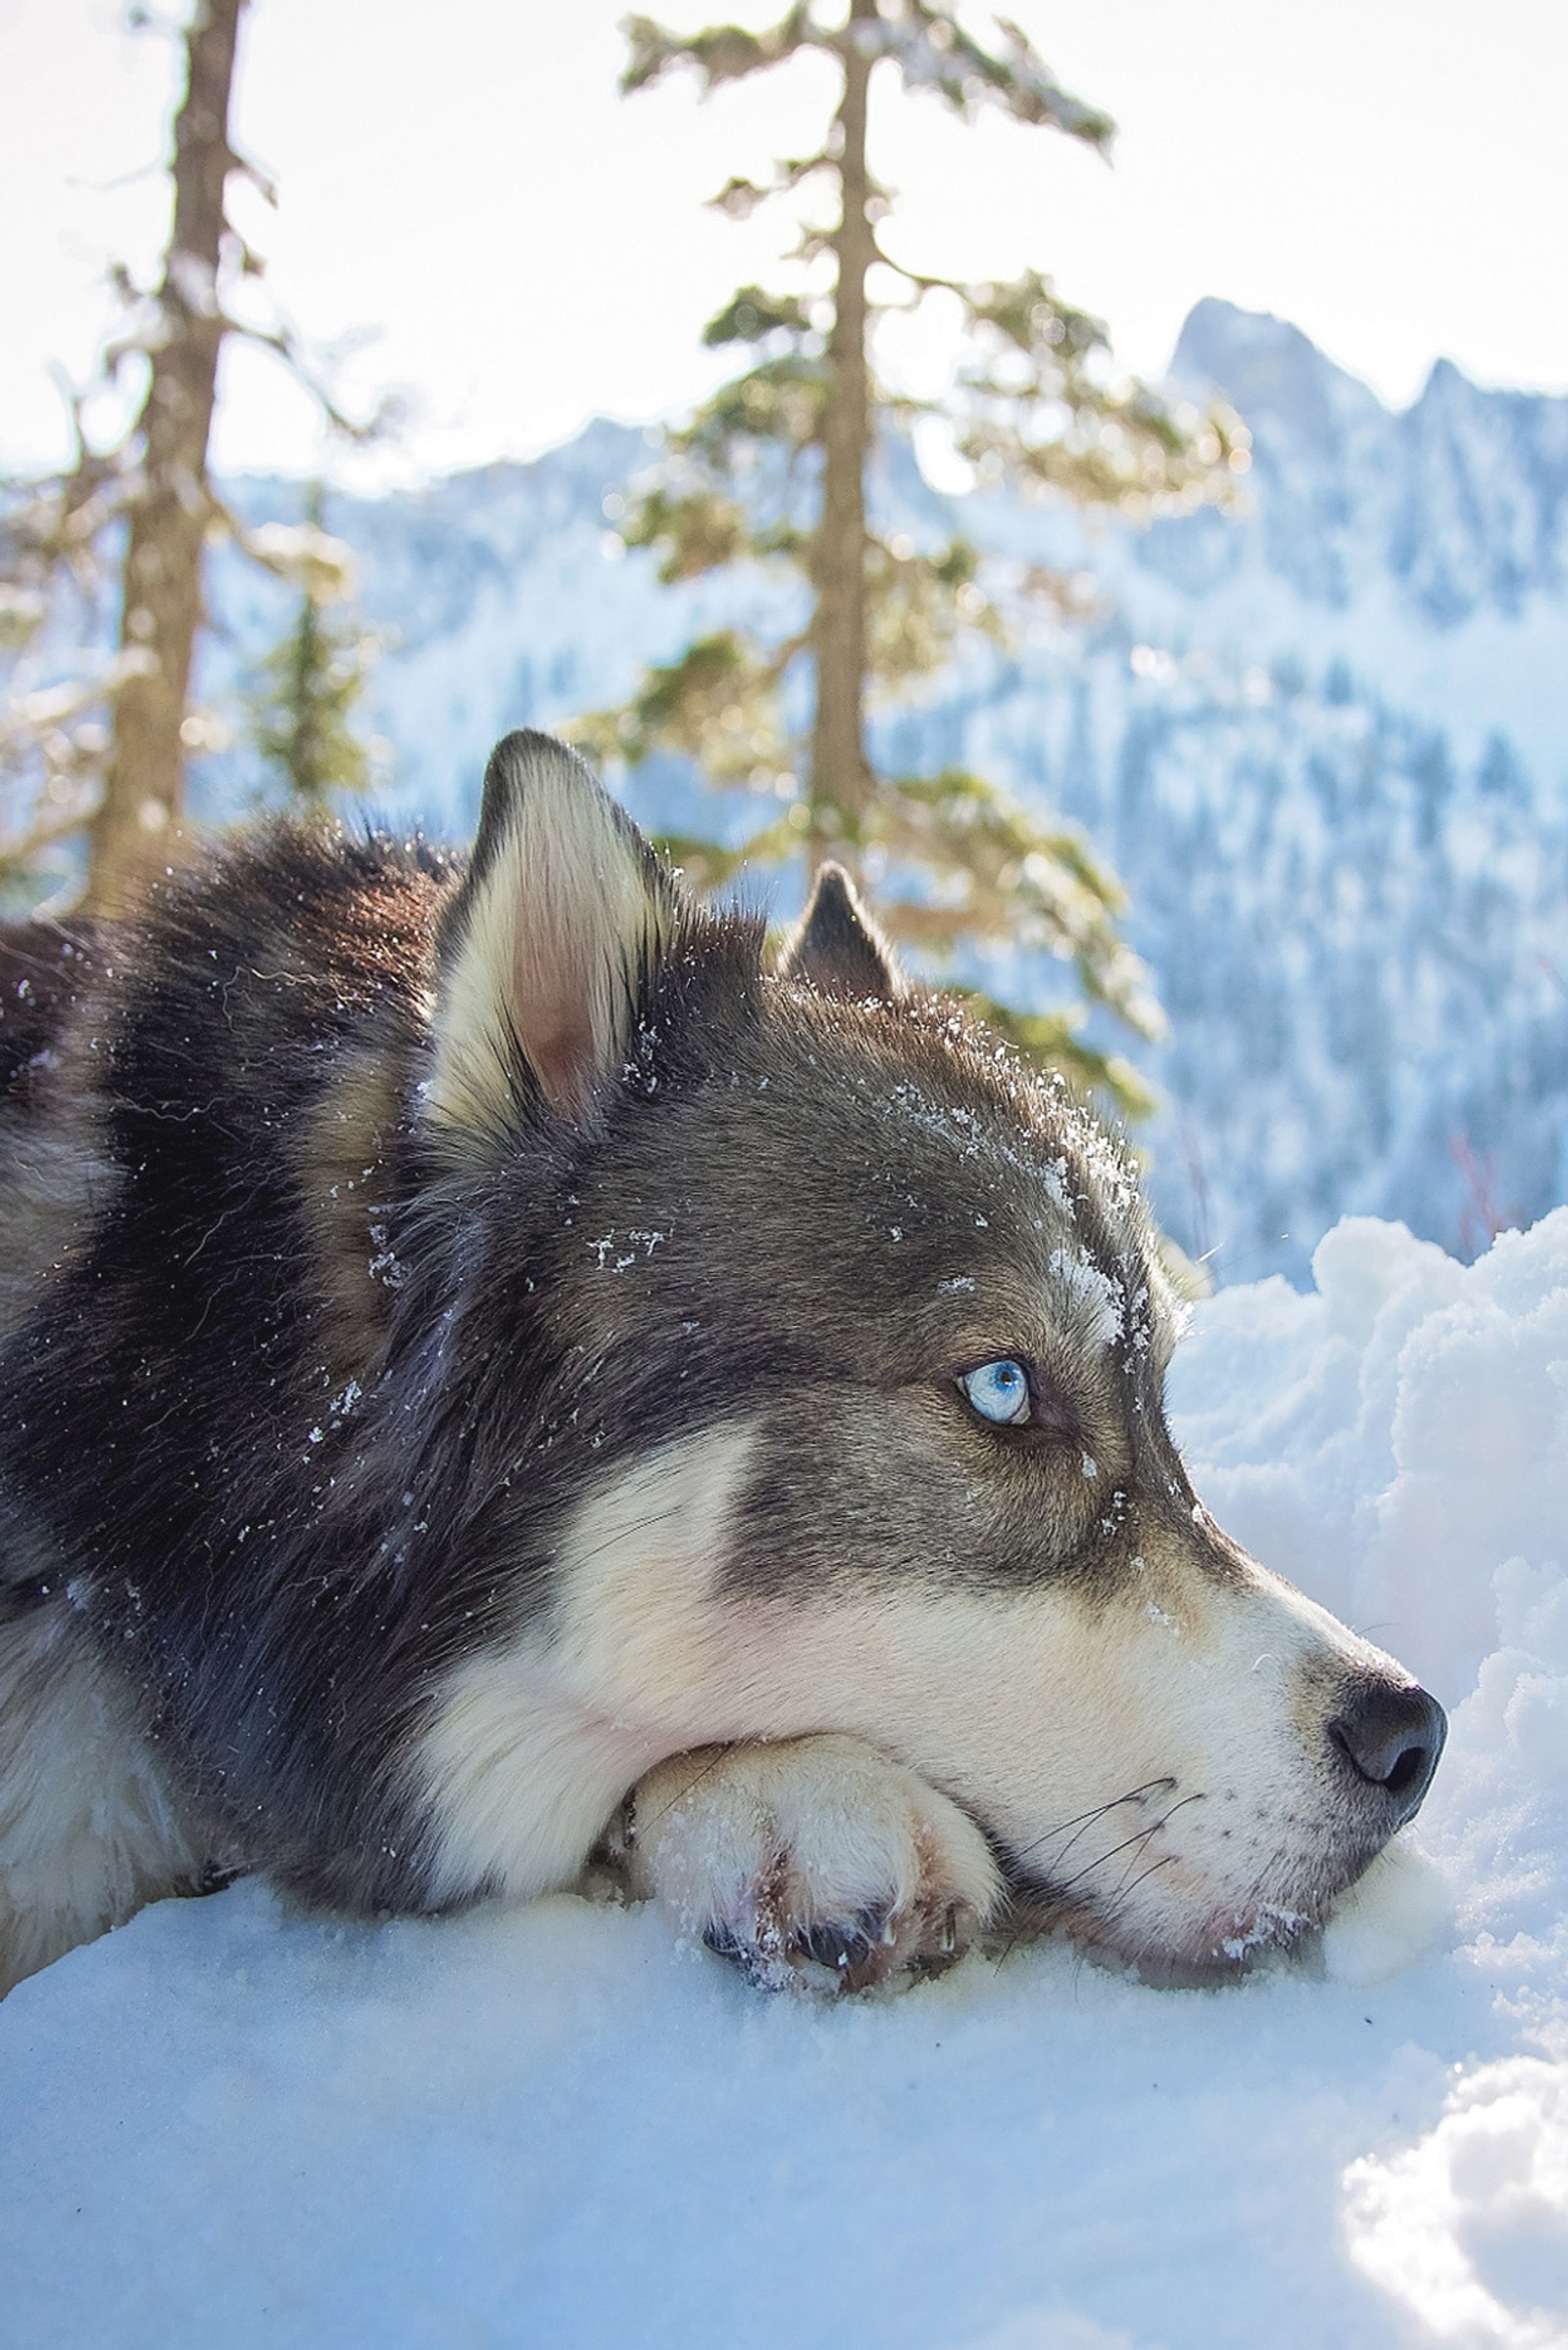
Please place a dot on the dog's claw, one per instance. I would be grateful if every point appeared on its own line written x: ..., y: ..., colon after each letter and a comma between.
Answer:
x: 848, y: 1948
x: 828, y: 1945
x: 948, y: 1948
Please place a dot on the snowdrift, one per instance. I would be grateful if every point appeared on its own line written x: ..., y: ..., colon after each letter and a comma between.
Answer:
x: 557, y: 2126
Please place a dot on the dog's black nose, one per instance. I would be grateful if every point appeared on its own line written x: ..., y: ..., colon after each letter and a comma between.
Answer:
x: 1392, y: 1739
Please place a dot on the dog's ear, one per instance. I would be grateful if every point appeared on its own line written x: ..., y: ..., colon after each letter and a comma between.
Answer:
x: 545, y: 948
x: 838, y: 947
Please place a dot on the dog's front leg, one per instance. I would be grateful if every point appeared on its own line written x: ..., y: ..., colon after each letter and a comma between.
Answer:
x: 815, y: 1862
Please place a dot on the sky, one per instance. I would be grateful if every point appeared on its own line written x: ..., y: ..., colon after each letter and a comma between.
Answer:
x: 471, y: 216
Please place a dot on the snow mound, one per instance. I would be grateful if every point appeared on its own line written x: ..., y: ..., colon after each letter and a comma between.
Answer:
x: 1399, y: 1911
x: 1405, y: 1433
x: 558, y: 2126
x: 1491, y: 2178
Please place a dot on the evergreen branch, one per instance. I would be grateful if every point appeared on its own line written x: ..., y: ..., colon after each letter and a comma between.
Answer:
x: 302, y: 556
x: 922, y: 280
x: 1013, y: 882
x: 288, y: 345
x: 778, y: 402
x: 740, y: 197
x: 721, y: 54
x: 692, y: 533
x: 55, y: 708
x: 934, y: 53
x: 917, y: 607
x: 810, y: 245
x: 57, y: 524
x: 57, y: 734
x: 1111, y: 456
x: 1028, y: 315
x: 717, y: 702
x: 751, y: 316
x: 1042, y: 409
x: 260, y: 178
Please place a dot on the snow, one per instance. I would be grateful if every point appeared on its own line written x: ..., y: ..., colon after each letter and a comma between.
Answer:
x: 559, y: 2125
x: 1399, y: 1911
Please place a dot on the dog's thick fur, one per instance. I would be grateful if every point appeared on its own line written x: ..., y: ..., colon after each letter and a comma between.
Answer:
x: 485, y: 1374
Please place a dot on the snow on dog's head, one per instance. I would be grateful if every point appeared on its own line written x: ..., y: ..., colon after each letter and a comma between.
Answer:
x: 855, y: 1335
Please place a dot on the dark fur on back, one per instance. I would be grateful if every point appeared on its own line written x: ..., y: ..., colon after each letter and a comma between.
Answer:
x: 43, y: 969
x: 230, y: 1540
x: 296, y: 1518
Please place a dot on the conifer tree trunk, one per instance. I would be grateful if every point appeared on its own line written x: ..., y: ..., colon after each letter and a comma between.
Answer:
x: 841, y: 775
x: 161, y: 598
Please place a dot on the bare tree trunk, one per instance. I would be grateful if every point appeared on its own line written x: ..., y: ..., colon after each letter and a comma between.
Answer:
x: 162, y: 600
x: 841, y: 775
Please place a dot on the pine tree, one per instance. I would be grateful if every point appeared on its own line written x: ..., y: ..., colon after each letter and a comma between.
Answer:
x: 105, y: 757
x: 300, y: 714
x: 773, y: 471
x: 168, y: 512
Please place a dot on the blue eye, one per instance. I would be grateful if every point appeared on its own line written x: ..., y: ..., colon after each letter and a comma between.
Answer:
x: 998, y: 1390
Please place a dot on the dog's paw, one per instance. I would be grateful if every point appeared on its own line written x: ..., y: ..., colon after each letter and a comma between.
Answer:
x: 816, y: 1862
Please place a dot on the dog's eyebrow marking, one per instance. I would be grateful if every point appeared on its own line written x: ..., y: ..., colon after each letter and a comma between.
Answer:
x: 1092, y: 1300
x: 964, y: 1132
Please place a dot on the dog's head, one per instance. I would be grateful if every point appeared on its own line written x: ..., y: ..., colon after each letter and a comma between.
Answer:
x: 855, y: 1336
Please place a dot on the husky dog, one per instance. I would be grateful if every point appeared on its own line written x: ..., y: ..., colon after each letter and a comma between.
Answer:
x: 494, y: 1372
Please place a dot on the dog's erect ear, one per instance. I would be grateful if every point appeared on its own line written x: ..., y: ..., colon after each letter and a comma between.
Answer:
x: 542, y: 951
x: 838, y: 947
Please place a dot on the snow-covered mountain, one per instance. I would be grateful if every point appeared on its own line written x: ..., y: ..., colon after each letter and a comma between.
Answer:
x: 1324, y: 741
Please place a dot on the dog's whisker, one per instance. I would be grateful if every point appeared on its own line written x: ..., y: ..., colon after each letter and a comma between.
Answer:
x: 1083, y: 1820
x: 1056, y: 1893
x: 1127, y: 1843
x: 1053, y: 1895
x: 1166, y: 1860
